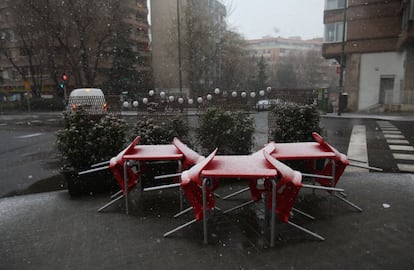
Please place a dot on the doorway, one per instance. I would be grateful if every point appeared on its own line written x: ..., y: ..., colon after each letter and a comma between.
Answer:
x: 386, y: 89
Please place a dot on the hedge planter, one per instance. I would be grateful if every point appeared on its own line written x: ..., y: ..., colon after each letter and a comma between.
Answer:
x: 97, y: 182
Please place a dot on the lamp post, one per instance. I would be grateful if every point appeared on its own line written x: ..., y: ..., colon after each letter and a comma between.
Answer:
x: 342, y: 62
x: 180, y: 78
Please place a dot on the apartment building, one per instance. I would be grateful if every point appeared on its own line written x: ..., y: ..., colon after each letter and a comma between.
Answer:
x: 274, y: 48
x: 135, y: 23
x: 277, y: 50
x: 373, y: 40
x: 172, y: 39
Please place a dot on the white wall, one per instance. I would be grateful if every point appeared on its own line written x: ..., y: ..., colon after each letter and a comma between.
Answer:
x: 373, y: 66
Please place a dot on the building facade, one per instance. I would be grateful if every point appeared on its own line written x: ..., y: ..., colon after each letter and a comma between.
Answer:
x: 21, y: 68
x: 179, y: 41
x: 304, y: 56
x: 373, y: 41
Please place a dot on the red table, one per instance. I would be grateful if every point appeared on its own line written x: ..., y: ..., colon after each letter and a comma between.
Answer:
x: 207, y: 174
x: 126, y: 177
x: 250, y: 167
x: 145, y: 153
x: 332, y: 171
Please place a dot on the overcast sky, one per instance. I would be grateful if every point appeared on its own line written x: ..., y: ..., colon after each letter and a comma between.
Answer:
x: 257, y: 18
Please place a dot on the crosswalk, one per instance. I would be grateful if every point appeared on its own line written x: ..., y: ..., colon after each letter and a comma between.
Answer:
x: 401, y: 149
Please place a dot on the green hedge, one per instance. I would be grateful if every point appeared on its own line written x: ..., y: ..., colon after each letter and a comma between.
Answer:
x: 294, y: 122
x: 161, y: 130
x: 86, y: 139
x: 230, y: 132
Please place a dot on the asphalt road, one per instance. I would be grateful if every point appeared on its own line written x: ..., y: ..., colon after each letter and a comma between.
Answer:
x: 27, y: 156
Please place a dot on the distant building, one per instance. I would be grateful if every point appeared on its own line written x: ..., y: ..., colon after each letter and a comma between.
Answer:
x: 277, y: 50
x: 377, y: 49
x: 166, y: 47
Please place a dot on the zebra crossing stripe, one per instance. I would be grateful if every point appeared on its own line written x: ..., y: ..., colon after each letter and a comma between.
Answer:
x: 406, y: 167
x: 397, y: 142
x: 403, y: 156
x: 401, y: 147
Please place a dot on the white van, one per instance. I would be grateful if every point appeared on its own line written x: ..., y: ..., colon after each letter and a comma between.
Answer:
x: 92, y: 100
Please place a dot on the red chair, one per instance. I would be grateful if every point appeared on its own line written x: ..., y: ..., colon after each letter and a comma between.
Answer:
x: 119, y: 168
x: 191, y: 183
x: 191, y: 157
x: 340, y: 162
x: 287, y: 189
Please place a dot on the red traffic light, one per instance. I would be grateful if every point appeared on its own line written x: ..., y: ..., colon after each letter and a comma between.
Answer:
x: 64, y: 77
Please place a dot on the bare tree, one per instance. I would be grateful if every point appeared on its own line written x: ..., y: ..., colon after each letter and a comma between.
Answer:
x: 74, y: 33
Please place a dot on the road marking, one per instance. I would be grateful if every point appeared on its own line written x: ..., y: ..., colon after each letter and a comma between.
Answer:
x: 391, y: 132
x: 406, y: 167
x: 401, y: 147
x: 391, y: 141
x: 397, y: 142
x: 403, y: 156
x: 29, y: 135
x: 394, y: 136
x: 357, y: 148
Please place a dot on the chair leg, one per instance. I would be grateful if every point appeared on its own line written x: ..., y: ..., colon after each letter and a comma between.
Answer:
x: 303, y: 213
x: 110, y: 203
x: 238, y: 206
x: 183, y: 212
x: 306, y: 230
x: 116, y: 194
x: 180, y: 227
x: 236, y: 193
x: 347, y: 202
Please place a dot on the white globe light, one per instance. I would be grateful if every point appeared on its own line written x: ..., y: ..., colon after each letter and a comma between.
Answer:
x: 180, y: 100
x: 135, y: 103
x: 261, y: 93
x: 151, y: 93
x: 243, y: 94
x: 162, y: 94
x: 199, y: 99
x: 190, y: 101
x: 145, y: 100
x: 125, y: 104
x: 171, y: 98
x: 234, y: 94
x: 252, y: 94
x: 217, y: 91
x: 268, y: 88
x: 209, y: 97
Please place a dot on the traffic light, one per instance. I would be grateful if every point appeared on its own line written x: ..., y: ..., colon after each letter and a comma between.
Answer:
x: 62, y: 83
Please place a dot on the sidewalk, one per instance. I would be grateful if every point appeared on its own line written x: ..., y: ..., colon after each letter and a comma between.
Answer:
x: 53, y: 231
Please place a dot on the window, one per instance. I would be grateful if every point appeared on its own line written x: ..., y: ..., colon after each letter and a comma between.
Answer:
x: 334, y: 4
x: 334, y: 32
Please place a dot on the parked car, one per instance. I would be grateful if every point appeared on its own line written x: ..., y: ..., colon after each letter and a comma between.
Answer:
x: 92, y: 100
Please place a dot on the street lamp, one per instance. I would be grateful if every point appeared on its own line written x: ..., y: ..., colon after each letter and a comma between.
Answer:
x: 180, y: 76
x: 342, y: 62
